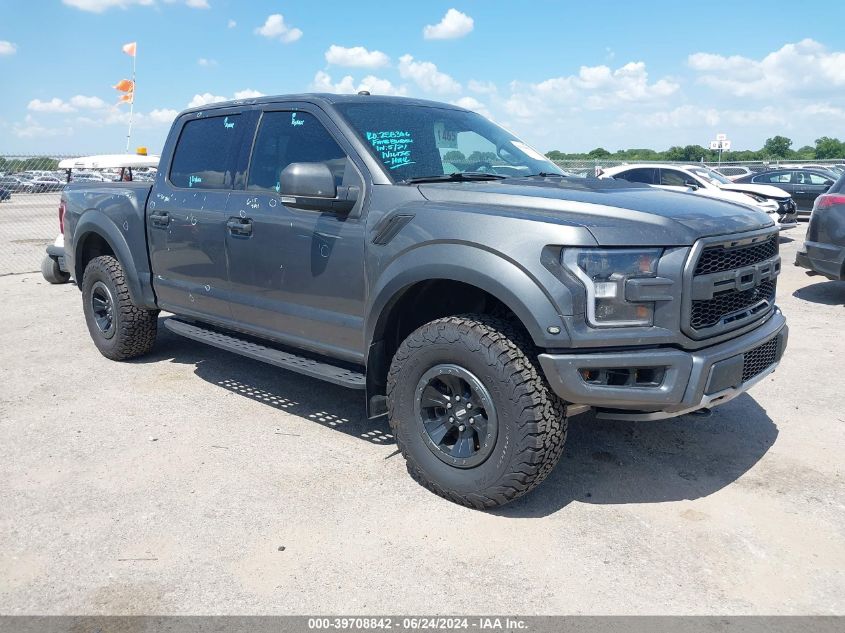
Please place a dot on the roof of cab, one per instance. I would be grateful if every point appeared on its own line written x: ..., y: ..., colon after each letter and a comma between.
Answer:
x: 327, y: 99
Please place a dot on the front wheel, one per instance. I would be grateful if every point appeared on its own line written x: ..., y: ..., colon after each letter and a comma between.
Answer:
x: 471, y: 413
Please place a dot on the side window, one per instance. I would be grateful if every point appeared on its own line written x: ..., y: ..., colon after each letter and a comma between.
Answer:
x: 777, y: 177
x: 643, y: 174
x: 673, y: 178
x: 291, y: 137
x: 817, y: 179
x: 205, y: 153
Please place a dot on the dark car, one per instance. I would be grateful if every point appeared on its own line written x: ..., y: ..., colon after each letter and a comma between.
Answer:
x: 16, y: 184
x: 804, y: 185
x: 5, y: 194
x: 824, y: 246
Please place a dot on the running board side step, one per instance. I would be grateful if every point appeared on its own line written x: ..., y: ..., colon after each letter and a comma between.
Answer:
x: 300, y: 364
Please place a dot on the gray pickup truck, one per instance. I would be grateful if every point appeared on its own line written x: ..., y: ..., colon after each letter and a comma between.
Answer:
x: 418, y: 252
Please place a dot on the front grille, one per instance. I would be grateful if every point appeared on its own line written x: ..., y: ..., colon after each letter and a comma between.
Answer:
x: 716, y: 259
x: 759, y: 359
x: 734, y: 304
x: 733, y: 282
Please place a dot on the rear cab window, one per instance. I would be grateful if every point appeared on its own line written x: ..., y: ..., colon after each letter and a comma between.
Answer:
x: 206, y: 152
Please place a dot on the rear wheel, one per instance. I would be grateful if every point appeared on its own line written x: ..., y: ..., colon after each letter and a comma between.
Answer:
x: 120, y: 329
x: 471, y: 413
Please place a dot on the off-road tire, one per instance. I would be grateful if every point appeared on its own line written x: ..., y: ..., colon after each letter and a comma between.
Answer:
x: 134, y: 327
x: 531, y: 418
x: 52, y: 273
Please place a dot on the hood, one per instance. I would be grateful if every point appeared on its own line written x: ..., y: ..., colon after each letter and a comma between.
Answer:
x: 615, y: 212
x: 767, y: 191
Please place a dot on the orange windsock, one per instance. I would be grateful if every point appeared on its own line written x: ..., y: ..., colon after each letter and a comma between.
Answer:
x: 130, y: 48
x: 127, y: 98
x: 125, y: 85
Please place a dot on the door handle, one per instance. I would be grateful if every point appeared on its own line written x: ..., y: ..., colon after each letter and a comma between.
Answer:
x: 160, y: 220
x: 240, y: 226
x: 800, y: 192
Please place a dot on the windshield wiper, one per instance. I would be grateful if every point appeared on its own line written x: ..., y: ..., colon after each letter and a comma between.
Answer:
x: 458, y: 176
x: 547, y: 174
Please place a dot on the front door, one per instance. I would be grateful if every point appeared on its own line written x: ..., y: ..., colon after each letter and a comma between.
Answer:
x: 186, y: 219
x: 297, y: 275
x: 807, y: 187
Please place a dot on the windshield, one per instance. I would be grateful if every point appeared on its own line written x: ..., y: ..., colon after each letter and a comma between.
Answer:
x: 413, y: 141
x: 710, y: 176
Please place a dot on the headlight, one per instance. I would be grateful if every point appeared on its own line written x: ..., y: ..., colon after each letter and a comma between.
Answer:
x: 604, y: 273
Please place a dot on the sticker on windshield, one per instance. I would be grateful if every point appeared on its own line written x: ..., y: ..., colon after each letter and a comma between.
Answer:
x: 294, y: 121
x: 393, y: 147
x: 228, y: 124
x: 445, y: 138
x: 528, y: 150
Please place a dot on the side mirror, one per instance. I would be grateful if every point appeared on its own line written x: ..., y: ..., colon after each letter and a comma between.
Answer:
x: 828, y: 183
x: 312, y: 186
x: 692, y: 185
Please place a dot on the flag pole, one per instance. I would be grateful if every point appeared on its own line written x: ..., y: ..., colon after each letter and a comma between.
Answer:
x: 132, y: 102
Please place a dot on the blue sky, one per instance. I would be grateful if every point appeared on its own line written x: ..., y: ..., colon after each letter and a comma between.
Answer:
x: 563, y: 75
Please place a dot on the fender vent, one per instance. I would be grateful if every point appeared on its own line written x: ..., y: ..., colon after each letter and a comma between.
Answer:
x: 389, y: 228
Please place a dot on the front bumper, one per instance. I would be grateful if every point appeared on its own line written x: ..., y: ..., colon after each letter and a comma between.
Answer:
x: 825, y: 259
x: 690, y: 380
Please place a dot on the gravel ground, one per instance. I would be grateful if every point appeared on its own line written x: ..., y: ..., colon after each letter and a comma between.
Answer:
x: 198, y: 482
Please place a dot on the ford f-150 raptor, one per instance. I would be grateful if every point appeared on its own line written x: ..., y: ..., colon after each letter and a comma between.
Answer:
x: 416, y: 251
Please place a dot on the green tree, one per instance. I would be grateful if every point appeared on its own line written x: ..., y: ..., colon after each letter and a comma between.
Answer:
x: 599, y: 152
x: 827, y: 147
x: 454, y: 155
x: 777, y: 147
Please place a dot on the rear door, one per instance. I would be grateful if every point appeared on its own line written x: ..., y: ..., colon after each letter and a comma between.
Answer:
x: 186, y: 216
x: 297, y: 275
x: 809, y: 186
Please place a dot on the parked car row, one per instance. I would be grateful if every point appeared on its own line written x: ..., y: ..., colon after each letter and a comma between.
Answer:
x: 704, y: 181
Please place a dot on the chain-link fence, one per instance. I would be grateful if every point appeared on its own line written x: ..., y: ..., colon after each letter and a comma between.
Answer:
x: 594, y: 165
x: 30, y: 188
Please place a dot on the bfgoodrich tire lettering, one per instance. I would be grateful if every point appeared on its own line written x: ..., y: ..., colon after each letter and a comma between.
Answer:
x: 120, y: 329
x: 531, y: 427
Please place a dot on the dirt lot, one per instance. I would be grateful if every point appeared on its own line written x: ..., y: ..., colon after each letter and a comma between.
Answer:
x: 171, y: 485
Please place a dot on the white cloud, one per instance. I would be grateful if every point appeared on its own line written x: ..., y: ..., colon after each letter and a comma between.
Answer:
x: 8, y: 48
x: 163, y: 116
x: 205, y: 99
x: 375, y: 85
x: 98, y: 6
x: 593, y: 88
x: 30, y: 128
x: 427, y: 76
x: 53, y: 105
x: 275, y: 28
x: 482, y: 87
x: 87, y: 103
x: 453, y: 25
x: 206, y: 63
x: 249, y: 93
x: 471, y: 103
x: 804, y: 68
x: 231, y: 24
x: 208, y: 98
x: 356, y: 57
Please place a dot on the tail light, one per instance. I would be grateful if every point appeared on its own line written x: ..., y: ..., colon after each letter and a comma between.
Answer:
x: 827, y: 200
x: 62, y: 217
